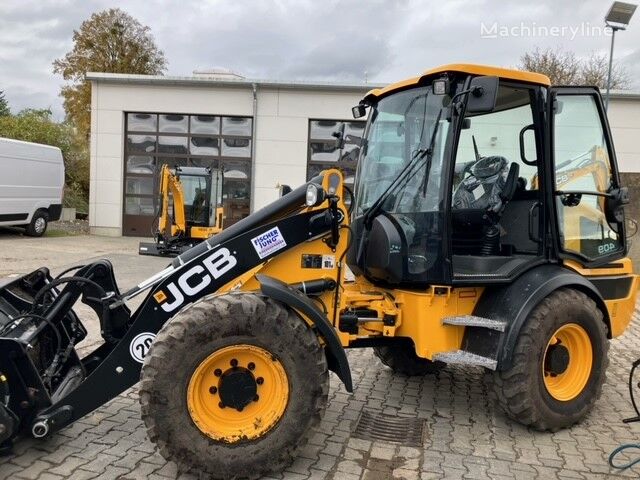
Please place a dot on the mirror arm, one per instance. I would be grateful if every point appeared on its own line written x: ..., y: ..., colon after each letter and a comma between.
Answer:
x: 475, y: 91
x: 584, y: 192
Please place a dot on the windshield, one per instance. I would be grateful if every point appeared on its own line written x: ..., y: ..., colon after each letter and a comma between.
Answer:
x: 400, y: 129
x: 195, y: 193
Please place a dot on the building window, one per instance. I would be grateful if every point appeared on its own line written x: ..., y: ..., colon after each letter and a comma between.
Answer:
x: 323, y: 152
x: 213, y: 141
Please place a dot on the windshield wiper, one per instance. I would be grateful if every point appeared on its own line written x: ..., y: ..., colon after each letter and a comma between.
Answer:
x: 429, y: 153
x: 418, y: 155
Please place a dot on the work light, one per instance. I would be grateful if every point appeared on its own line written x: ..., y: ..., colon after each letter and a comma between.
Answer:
x: 315, y: 195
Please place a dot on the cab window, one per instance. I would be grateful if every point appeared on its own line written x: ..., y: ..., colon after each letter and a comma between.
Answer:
x: 495, y: 187
x: 582, y: 164
x: 497, y: 134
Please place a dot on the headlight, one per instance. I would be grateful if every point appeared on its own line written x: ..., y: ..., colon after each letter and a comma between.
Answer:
x: 315, y: 195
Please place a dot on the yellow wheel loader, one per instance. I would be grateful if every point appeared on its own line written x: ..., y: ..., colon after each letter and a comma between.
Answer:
x: 475, y: 236
x: 189, y: 210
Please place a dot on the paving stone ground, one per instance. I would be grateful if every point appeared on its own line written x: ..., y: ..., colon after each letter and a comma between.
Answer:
x: 466, y: 437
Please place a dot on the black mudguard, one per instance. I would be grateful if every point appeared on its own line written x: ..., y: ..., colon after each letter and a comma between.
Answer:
x: 514, y: 302
x: 336, y: 357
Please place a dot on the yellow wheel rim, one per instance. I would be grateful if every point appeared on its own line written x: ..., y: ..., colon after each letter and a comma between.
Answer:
x: 567, y: 362
x: 238, y: 393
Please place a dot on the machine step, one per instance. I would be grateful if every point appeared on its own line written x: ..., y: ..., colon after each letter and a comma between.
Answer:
x: 474, y: 321
x: 463, y: 357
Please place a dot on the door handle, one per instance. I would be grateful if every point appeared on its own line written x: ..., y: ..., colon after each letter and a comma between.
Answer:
x: 534, y: 207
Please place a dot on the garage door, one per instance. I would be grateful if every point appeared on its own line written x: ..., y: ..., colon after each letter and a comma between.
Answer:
x: 214, y: 141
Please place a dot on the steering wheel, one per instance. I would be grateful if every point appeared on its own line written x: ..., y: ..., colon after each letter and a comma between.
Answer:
x: 487, y: 167
x: 467, y: 168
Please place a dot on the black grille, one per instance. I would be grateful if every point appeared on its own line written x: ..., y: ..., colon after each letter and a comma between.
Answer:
x: 389, y: 428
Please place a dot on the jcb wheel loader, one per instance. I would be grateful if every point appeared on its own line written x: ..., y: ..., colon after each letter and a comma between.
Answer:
x: 188, y: 209
x: 466, y: 242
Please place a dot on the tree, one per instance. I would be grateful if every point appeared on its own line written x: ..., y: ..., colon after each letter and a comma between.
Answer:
x: 596, y: 69
x: 563, y: 68
x: 109, y: 41
x: 4, y: 106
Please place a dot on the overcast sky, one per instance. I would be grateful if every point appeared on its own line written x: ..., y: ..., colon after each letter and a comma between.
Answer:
x: 308, y: 40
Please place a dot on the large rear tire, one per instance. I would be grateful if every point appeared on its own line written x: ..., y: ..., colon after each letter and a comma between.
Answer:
x: 232, y: 386
x: 559, y: 363
x: 401, y: 358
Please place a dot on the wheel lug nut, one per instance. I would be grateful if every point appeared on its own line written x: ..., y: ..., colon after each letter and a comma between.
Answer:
x: 213, y: 390
x: 221, y: 405
x: 234, y: 363
x: 259, y: 380
x: 240, y: 409
x: 251, y: 366
x: 217, y: 372
x: 256, y: 398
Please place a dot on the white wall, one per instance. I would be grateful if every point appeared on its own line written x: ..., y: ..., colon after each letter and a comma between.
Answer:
x: 281, y: 134
x: 624, y: 119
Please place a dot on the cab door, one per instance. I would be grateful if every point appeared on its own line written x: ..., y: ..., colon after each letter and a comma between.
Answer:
x: 586, y: 184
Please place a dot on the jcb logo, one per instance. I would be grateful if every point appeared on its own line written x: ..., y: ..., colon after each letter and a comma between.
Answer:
x: 197, y: 278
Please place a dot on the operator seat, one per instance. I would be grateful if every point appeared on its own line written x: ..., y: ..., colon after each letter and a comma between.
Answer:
x: 478, y: 204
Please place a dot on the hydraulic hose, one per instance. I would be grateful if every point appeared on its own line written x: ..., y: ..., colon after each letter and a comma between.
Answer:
x: 628, y: 446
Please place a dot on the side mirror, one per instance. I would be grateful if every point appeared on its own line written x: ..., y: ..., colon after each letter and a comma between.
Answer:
x: 359, y: 111
x: 614, y: 205
x: 339, y: 136
x: 484, y: 92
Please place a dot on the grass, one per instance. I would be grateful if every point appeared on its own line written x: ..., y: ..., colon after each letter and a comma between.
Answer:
x: 58, y: 233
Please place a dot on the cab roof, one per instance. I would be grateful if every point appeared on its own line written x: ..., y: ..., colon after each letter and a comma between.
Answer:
x: 468, y: 68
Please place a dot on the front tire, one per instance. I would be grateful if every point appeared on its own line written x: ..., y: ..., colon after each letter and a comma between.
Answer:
x: 232, y: 387
x: 559, y: 363
x: 38, y: 225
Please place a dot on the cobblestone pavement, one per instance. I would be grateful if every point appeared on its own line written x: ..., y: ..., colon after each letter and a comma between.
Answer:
x: 466, y: 438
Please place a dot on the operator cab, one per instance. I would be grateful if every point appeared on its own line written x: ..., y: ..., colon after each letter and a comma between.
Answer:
x: 202, y: 190
x: 455, y: 184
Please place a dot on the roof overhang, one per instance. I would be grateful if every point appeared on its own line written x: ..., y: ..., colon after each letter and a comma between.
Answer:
x: 464, y: 68
x: 378, y: 91
x: 164, y: 80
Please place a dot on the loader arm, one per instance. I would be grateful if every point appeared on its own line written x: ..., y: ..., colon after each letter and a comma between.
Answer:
x: 114, y: 366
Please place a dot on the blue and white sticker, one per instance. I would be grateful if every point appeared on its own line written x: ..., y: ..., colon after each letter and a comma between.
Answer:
x: 140, y: 345
x: 268, y: 242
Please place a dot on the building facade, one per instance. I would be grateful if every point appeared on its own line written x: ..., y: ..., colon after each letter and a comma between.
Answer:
x: 261, y: 135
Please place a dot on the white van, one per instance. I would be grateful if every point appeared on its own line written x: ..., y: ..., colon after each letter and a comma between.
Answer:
x: 31, y: 185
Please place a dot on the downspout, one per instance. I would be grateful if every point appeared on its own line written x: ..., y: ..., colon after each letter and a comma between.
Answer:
x: 254, y: 121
